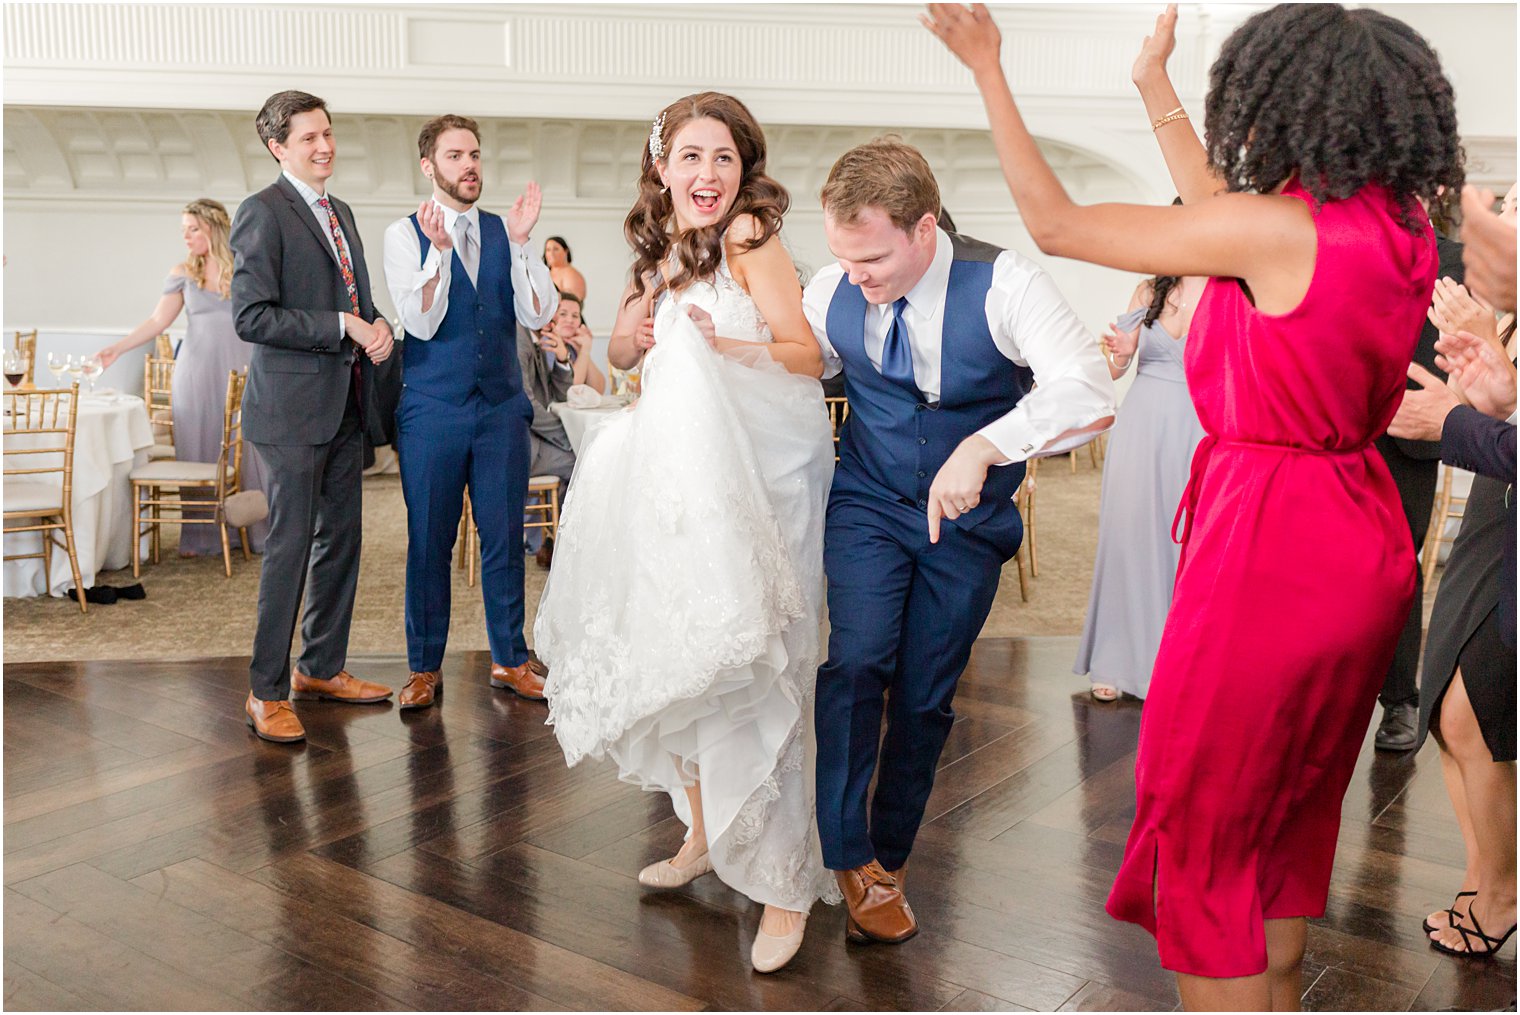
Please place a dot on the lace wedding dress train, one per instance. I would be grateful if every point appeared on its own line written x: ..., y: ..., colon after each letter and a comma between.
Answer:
x: 681, y: 620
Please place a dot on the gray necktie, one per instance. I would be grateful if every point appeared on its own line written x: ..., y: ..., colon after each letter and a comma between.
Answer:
x: 469, y: 252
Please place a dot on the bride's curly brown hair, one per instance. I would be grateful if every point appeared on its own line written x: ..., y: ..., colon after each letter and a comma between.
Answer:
x: 650, y: 224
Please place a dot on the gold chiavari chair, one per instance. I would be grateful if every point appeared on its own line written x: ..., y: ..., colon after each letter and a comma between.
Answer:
x: 1449, y: 507
x: 158, y: 383
x: 1026, y: 556
x: 42, y: 423
x: 157, y: 487
x: 839, y: 411
x: 543, y: 501
x: 163, y: 346
x: 26, y: 345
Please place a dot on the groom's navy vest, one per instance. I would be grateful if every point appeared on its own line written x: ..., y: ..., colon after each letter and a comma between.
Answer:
x: 475, y: 346
x: 892, y: 443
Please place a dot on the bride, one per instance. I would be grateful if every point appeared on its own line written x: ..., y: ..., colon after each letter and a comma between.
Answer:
x: 681, y: 620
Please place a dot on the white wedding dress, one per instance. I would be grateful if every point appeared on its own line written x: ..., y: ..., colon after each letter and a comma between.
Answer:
x: 680, y: 623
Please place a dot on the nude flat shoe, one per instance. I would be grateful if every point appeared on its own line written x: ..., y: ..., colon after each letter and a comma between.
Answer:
x: 770, y: 953
x: 667, y: 875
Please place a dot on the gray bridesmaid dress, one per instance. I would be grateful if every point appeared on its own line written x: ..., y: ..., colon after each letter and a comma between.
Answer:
x: 1145, y: 470
x: 210, y: 351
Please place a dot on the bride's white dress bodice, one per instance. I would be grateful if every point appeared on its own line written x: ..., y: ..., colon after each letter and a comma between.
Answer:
x: 733, y: 312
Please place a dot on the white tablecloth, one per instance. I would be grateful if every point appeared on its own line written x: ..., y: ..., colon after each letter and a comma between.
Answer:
x: 578, y: 421
x: 112, y: 436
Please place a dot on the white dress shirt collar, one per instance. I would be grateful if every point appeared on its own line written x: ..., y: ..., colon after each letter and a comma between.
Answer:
x: 928, y: 293
x: 450, y: 217
x: 303, y: 188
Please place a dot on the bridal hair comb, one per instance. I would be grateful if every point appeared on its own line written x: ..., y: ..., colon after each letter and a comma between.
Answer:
x: 656, y: 142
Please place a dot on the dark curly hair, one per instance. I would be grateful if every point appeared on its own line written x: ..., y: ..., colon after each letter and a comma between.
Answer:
x: 650, y: 225
x: 1342, y: 98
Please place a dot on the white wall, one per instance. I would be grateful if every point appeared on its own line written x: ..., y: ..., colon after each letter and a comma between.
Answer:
x: 109, y: 142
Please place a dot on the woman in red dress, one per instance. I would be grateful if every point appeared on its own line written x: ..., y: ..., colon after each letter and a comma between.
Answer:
x: 1326, y: 130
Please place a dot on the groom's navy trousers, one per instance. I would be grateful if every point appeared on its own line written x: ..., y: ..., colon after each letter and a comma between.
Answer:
x: 904, y: 614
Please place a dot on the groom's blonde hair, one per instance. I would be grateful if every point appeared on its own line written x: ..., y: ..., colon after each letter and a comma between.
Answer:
x: 886, y: 173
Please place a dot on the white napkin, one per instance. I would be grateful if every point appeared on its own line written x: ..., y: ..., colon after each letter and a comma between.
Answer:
x: 583, y: 396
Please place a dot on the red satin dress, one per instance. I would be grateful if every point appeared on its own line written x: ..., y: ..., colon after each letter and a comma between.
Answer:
x: 1297, y: 574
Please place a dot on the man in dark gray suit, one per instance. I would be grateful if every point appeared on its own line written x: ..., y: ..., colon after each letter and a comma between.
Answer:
x: 301, y: 296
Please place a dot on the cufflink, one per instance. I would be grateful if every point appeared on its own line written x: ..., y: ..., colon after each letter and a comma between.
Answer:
x: 1028, y: 448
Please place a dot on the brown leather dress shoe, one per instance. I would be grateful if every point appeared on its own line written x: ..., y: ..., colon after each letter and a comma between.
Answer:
x: 344, y: 687
x: 877, y: 909
x: 545, y: 555
x: 520, y: 680
x: 536, y: 665
x: 421, y: 689
x: 274, y: 720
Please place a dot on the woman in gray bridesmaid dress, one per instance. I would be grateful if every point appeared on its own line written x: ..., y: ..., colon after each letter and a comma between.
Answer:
x: 1150, y: 452
x: 211, y: 349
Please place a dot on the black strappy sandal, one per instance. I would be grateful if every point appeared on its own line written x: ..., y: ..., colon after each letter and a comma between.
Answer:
x: 1451, y: 911
x: 1493, y: 944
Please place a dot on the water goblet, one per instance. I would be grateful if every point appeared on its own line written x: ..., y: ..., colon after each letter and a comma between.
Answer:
x: 92, y: 369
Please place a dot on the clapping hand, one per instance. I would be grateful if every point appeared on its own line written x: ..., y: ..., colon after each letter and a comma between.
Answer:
x: 549, y: 341
x: 1423, y: 411
x: 1119, y: 344
x: 969, y: 33
x: 1486, y: 377
x: 430, y: 220
x: 524, y: 214
x: 1488, y: 253
x: 1453, y: 309
x: 1157, y: 47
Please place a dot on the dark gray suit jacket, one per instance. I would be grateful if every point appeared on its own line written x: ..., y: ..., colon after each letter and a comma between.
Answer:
x: 287, y: 290
x: 544, y: 387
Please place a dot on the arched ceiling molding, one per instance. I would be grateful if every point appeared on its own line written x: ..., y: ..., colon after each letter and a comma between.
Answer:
x: 172, y: 156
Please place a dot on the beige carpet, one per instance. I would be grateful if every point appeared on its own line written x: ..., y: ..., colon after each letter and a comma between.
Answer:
x: 193, y: 611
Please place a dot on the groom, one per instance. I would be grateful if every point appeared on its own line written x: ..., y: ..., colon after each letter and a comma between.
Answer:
x: 939, y: 338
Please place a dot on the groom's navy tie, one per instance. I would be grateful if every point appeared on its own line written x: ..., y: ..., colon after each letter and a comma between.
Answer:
x: 896, y: 356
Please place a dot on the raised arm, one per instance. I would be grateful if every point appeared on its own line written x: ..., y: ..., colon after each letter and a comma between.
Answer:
x: 770, y: 278
x: 1185, y: 156
x: 1267, y: 240
x: 165, y: 314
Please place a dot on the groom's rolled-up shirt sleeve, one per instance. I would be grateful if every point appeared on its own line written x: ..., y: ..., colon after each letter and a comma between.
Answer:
x: 815, y: 307
x: 1033, y: 326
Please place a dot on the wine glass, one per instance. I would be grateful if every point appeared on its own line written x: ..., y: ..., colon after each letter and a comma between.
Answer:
x: 14, y: 367
x: 92, y: 369
x: 74, y: 367
x: 57, y: 364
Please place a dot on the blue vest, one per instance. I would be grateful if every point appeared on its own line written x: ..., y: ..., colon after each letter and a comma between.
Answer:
x: 475, y: 346
x: 892, y: 444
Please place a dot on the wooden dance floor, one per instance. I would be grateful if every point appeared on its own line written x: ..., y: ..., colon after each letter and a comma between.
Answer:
x: 158, y: 856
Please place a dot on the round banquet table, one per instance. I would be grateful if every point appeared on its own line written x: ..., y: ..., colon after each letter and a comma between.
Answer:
x: 578, y: 421
x: 112, y: 436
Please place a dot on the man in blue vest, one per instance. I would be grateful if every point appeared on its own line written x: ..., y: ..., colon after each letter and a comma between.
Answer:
x: 940, y: 339
x: 461, y: 279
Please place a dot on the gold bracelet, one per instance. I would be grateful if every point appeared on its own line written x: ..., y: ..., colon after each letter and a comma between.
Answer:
x: 1177, y: 114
